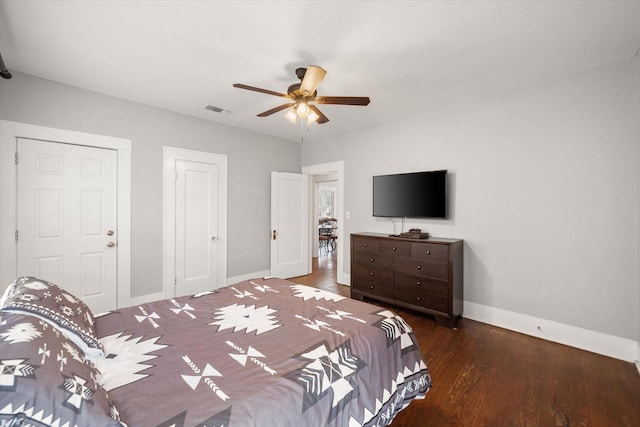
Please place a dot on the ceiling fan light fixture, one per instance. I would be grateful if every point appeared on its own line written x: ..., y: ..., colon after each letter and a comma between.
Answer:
x: 302, y: 109
x: 291, y: 115
x: 313, y: 117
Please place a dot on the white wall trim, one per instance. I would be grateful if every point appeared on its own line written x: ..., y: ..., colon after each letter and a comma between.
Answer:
x: 229, y: 281
x: 596, y: 342
x: 9, y: 133
x: 171, y: 155
x: 242, y: 278
x: 143, y: 299
x: 321, y: 169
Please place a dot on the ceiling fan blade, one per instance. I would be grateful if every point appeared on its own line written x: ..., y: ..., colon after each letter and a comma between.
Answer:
x: 343, y: 100
x: 312, y: 78
x: 275, y: 110
x: 257, y: 89
x: 321, y: 117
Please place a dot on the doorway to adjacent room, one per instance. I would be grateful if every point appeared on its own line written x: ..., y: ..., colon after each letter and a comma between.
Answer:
x: 327, y: 217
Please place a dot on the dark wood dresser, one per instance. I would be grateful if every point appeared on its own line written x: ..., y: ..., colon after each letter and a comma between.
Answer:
x: 420, y: 274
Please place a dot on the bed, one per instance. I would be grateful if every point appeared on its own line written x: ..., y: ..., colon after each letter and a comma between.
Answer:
x: 263, y: 352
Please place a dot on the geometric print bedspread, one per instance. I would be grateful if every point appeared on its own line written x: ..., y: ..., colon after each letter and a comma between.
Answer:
x: 264, y: 352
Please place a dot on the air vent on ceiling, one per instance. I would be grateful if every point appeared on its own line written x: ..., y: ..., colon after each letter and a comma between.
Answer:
x: 217, y: 109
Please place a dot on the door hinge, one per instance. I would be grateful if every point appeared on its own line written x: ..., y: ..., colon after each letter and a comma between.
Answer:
x: 16, y: 234
x: 175, y: 281
x: 16, y: 157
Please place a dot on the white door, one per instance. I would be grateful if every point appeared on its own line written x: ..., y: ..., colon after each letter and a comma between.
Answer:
x: 197, y: 235
x: 67, y: 218
x: 289, y: 224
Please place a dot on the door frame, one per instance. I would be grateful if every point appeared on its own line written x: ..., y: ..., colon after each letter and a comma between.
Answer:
x: 171, y: 155
x: 9, y: 133
x: 336, y: 168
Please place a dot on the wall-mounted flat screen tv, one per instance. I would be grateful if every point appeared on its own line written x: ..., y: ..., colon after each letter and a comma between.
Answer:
x: 411, y: 195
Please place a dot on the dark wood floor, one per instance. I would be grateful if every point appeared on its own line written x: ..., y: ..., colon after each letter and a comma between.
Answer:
x: 488, y: 376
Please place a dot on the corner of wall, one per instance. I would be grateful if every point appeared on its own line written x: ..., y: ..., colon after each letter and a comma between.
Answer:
x: 637, y: 64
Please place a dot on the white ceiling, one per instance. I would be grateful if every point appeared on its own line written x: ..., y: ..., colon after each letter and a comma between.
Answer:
x: 406, y: 56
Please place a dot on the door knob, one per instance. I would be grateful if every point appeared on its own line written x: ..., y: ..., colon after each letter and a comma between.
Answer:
x: 111, y: 244
x: 110, y: 233
x: 274, y: 234
x: 214, y: 238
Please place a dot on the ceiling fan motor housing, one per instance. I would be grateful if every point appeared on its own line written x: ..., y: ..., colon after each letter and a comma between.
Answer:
x: 293, y: 89
x: 300, y: 72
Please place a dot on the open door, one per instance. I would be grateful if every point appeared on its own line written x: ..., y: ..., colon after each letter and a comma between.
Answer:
x: 289, y: 224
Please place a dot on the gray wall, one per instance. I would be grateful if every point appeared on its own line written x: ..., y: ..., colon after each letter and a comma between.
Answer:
x: 638, y: 175
x: 544, y: 190
x: 251, y: 158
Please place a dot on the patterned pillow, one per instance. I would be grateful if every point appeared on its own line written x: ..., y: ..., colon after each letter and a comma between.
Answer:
x: 29, y: 295
x: 45, y: 380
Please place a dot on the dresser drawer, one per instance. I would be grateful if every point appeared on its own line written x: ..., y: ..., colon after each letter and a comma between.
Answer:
x: 422, y: 268
x: 371, y: 272
x: 394, y: 248
x: 363, y: 244
x: 371, y: 287
x: 424, y: 275
x: 372, y: 260
x: 431, y: 294
x: 409, y: 281
x: 429, y: 252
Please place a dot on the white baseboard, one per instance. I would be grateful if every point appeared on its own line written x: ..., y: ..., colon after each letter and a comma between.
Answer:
x: 236, y: 279
x: 161, y: 295
x: 143, y: 299
x: 266, y: 273
x: 597, y: 342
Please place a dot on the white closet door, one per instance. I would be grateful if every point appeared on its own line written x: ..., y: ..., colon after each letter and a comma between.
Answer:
x: 197, y: 222
x: 67, y: 218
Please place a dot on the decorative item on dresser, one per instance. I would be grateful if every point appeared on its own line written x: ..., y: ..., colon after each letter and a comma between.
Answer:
x: 425, y: 275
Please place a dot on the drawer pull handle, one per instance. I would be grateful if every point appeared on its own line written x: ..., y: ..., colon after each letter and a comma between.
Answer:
x: 419, y: 267
x: 418, y: 283
x: 372, y: 259
x: 393, y: 249
x: 372, y: 273
x: 371, y: 287
x: 366, y: 245
x: 419, y: 298
x: 428, y: 252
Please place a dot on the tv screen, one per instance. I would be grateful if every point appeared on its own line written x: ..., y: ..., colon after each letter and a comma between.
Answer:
x: 411, y: 195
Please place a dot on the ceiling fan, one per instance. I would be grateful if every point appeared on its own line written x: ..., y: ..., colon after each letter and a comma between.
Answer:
x: 304, y: 95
